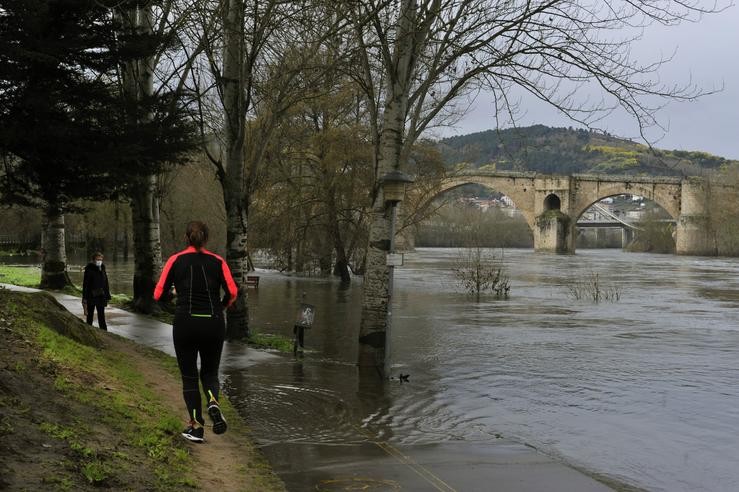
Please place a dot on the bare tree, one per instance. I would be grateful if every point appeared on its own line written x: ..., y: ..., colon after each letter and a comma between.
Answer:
x: 142, y: 80
x: 433, y: 56
x: 258, y: 67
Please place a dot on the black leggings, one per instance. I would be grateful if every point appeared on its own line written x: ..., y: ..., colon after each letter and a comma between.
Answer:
x: 193, y: 336
x: 99, y: 304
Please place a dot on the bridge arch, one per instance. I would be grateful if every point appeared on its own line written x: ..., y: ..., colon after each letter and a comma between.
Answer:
x: 552, y: 202
x: 575, y: 218
x: 519, y: 189
x: 666, y: 195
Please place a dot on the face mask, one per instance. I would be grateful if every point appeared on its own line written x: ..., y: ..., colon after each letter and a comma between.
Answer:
x: 98, y: 263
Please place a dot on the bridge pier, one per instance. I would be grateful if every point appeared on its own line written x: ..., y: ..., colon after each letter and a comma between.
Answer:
x: 554, y: 230
x: 554, y: 233
x: 693, y: 235
x: 627, y: 235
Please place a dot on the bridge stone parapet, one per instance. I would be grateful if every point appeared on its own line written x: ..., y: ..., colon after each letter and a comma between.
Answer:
x: 551, y: 205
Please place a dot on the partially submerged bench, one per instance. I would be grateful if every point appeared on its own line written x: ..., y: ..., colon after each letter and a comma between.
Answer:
x: 252, y: 281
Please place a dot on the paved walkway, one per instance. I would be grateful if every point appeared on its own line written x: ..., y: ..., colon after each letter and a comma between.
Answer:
x: 150, y: 332
x: 377, y: 466
x: 445, y: 467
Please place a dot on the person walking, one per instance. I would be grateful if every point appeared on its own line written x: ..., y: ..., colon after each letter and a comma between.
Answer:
x: 95, y: 290
x: 198, y: 276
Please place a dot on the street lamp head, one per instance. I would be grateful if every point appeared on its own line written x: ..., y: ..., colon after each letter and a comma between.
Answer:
x: 393, y: 185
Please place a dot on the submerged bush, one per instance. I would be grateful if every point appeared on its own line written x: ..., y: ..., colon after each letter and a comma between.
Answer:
x: 479, y: 271
x: 592, y: 289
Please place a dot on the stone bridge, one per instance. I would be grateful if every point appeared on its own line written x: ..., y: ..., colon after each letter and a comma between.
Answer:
x: 552, y: 205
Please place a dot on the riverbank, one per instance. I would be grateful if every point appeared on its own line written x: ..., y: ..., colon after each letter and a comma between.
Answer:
x: 515, y: 467
x: 84, y: 409
x: 29, y: 276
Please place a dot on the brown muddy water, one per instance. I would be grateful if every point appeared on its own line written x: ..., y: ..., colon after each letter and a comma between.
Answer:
x: 644, y: 390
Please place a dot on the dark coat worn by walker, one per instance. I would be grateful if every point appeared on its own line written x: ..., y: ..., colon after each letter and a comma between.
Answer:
x: 95, y: 293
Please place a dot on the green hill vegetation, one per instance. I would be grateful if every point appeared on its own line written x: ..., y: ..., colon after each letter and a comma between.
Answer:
x: 564, y: 151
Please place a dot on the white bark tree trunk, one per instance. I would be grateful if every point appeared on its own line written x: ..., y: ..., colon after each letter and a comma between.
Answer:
x: 146, y: 243
x: 54, y: 266
x: 138, y: 83
x: 234, y: 187
x: 375, y: 321
x: 376, y: 301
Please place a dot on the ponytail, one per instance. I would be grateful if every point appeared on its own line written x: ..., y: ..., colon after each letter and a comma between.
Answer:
x: 197, y: 234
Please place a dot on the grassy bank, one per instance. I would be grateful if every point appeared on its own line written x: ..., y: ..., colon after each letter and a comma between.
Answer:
x: 29, y: 276
x: 25, y: 276
x: 80, y: 409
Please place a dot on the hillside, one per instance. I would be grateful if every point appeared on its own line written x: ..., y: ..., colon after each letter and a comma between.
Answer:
x: 568, y: 151
x: 82, y: 409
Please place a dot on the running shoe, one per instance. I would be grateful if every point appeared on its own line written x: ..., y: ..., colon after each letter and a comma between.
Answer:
x: 194, y: 434
x: 219, y: 423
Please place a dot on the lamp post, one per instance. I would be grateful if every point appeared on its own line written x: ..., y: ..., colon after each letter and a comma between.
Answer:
x: 393, y: 192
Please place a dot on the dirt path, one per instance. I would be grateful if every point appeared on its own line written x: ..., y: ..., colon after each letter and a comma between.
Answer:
x: 224, y: 459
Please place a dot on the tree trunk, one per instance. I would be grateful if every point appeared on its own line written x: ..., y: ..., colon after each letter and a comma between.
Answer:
x: 116, y: 231
x: 237, y: 259
x: 324, y: 258
x: 146, y: 245
x: 54, y: 262
x: 290, y: 264
x: 235, y: 194
x: 375, y: 323
x: 375, y: 295
x: 341, y: 267
x: 125, y: 243
x: 138, y: 85
x: 299, y: 255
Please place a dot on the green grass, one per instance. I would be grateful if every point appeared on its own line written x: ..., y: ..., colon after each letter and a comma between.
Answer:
x: 30, y: 276
x: 270, y: 341
x: 133, y: 411
x: 121, y: 299
x: 129, y: 412
x: 25, y: 276
x: 9, y: 254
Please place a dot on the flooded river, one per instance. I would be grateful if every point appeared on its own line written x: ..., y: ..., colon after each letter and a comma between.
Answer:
x: 644, y: 390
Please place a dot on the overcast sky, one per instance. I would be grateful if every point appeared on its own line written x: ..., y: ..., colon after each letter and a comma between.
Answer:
x: 707, y: 53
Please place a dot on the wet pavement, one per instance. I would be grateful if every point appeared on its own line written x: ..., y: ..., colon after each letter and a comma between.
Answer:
x: 446, y: 467
x: 375, y: 465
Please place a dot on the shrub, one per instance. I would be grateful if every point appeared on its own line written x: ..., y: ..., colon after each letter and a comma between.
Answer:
x: 592, y: 289
x: 478, y: 271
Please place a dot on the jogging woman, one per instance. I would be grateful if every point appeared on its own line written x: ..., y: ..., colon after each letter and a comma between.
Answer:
x: 198, y: 329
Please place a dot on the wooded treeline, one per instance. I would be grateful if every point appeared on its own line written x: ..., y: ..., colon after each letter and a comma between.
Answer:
x: 290, y: 113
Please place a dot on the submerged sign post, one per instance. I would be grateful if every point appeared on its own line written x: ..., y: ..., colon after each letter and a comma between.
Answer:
x: 303, y: 320
x: 306, y: 314
x: 394, y: 259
